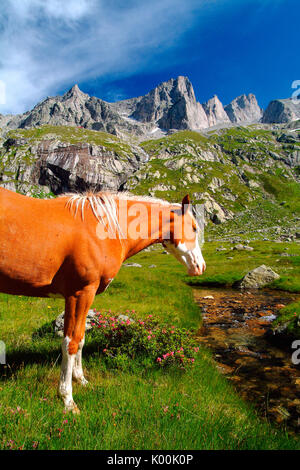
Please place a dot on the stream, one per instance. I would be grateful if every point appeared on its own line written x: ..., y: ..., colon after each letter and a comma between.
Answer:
x: 236, y: 327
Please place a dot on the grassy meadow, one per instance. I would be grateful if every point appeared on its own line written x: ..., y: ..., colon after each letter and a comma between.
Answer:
x: 134, y: 407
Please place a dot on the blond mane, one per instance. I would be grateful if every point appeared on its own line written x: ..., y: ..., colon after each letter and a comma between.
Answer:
x: 103, y: 205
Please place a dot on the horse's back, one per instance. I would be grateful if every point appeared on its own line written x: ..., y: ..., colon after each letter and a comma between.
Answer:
x: 34, y: 238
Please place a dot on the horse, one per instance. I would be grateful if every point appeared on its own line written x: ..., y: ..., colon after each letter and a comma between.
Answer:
x: 73, y: 246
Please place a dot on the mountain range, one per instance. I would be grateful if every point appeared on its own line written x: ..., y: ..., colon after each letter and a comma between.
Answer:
x: 172, y: 105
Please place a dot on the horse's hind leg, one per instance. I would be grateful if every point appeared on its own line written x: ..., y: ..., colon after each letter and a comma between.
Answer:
x: 65, y: 383
x: 77, y: 368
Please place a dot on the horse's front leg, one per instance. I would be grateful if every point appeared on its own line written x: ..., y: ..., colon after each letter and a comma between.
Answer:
x: 76, y: 310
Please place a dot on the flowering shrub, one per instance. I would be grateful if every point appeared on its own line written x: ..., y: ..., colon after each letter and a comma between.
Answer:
x: 147, y: 341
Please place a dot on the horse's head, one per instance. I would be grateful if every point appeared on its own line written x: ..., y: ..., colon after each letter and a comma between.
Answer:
x: 184, y: 238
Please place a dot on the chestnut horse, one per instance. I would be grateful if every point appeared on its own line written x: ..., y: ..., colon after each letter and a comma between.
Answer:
x: 74, y: 245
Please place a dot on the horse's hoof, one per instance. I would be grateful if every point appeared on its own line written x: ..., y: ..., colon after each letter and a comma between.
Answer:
x: 75, y: 410
x: 72, y: 407
x: 81, y: 381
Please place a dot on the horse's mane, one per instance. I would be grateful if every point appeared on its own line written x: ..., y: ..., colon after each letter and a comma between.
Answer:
x: 103, y: 204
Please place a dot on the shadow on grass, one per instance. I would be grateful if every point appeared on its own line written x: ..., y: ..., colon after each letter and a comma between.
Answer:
x: 44, y: 350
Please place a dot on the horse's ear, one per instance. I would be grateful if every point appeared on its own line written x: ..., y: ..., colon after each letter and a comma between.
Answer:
x: 185, y: 203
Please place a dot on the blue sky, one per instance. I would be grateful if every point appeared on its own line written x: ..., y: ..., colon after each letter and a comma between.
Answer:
x: 115, y: 49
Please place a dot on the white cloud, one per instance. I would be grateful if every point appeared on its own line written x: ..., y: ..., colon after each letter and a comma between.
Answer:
x: 49, y: 45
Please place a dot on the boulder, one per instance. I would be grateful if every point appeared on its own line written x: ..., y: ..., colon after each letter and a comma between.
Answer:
x: 91, y: 317
x: 132, y: 265
x: 241, y: 247
x: 258, y: 277
x: 59, y: 322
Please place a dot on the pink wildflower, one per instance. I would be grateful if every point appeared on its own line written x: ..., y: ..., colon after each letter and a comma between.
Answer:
x: 158, y: 359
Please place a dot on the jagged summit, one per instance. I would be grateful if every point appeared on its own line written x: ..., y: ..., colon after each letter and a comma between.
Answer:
x: 244, y: 108
x: 215, y: 112
x: 171, y: 105
x: 74, y: 91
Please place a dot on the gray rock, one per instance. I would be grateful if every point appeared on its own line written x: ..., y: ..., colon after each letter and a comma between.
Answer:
x: 59, y: 322
x: 132, y: 265
x: 258, y: 277
x: 125, y: 318
x: 241, y: 247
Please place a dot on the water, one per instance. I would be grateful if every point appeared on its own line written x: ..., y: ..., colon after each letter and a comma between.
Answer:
x: 236, y: 327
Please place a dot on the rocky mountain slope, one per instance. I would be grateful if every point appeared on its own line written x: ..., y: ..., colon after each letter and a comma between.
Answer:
x: 244, y: 176
x: 62, y: 159
x: 171, y: 105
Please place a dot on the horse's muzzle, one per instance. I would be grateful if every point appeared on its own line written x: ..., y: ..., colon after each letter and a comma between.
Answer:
x: 197, y: 270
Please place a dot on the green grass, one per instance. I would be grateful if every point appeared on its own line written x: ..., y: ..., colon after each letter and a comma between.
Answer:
x: 127, y: 409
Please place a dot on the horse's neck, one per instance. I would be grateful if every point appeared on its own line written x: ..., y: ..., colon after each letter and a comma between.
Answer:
x: 150, y: 230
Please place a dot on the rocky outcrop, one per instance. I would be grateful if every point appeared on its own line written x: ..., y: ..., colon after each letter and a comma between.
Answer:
x: 281, y: 111
x: 212, y: 210
x: 258, y: 277
x: 64, y: 167
x: 245, y: 109
x: 215, y: 112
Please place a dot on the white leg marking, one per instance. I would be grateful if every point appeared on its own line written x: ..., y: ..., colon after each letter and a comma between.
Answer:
x: 65, y: 383
x: 77, y: 368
